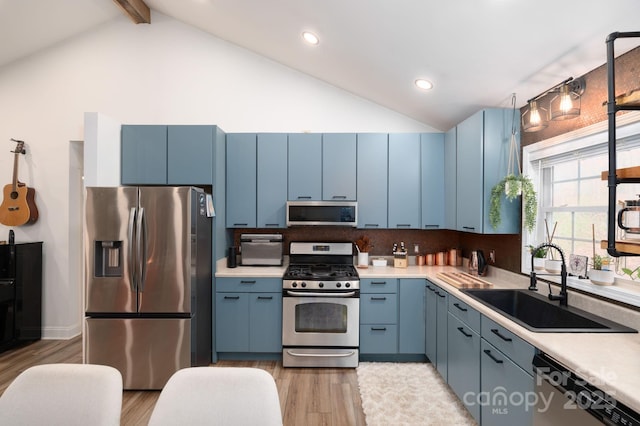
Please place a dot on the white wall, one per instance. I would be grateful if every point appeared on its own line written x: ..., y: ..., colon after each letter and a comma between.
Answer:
x: 166, y: 73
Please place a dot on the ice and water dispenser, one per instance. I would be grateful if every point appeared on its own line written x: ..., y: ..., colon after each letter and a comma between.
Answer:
x: 108, y: 259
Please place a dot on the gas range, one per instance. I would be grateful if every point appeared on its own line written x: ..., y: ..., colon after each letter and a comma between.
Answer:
x: 321, y: 266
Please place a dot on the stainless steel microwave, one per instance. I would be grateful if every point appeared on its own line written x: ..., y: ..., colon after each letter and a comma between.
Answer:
x: 323, y: 213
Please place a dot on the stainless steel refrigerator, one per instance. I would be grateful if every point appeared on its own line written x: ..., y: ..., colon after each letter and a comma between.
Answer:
x: 148, y: 281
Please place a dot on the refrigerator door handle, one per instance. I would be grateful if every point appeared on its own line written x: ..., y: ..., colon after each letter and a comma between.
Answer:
x: 131, y: 253
x: 141, y: 243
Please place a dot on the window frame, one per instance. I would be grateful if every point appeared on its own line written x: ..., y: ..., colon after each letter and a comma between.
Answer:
x: 627, y: 126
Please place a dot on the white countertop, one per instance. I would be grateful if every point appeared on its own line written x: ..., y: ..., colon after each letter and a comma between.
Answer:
x: 610, y: 361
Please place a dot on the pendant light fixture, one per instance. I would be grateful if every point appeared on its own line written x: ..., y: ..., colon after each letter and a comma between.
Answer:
x: 564, y: 105
x: 534, y: 118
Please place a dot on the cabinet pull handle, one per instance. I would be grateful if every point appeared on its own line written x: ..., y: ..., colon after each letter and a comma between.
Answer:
x: 488, y: 352
x: 403, y: 225
x: 440, y: 295
x: 265, y: 297
x: 247, y: 282
x: 240, y: 224
x: 378, y: 298
x: 432, y: 226
x: 497, y: 333
x: 471, y: 228
x: 304, y: 197
x: 431, y: 288
x: 378, y: 328
x: 371, y: 225
x: 461, y: 330
x: 232, y: 297
x: 272, y: 224
x: 457, y: 305
x: 378, y: 282
x: 339, y: 197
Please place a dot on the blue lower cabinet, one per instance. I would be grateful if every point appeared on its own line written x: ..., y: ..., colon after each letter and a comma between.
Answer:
x: 379, y: 308
x: 411, y: 318
x: 507, y: 390
x: 232, y: 322
x: 265, y: 331
x: 464, y: 364
x: 248, y: 316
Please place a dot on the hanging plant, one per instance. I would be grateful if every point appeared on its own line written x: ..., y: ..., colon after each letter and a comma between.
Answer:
x: 510, y: 188
x: 514, y: 185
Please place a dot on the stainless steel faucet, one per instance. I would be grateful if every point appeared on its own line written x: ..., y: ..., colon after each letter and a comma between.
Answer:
x: 563, y: 296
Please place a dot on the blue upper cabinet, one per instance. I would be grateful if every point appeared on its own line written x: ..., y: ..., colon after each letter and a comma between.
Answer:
x: 305, y: 166
x: 168, y: 155
x: 404, y: 181
x: 190, y: 155
x: 272, y: 180
x: 482, y: 154
x: 372, y: 163
x: 432, y: 180
x: 450, y: 179
x: 338, y: 173
x: 241, y: 180
x: 144, y: 155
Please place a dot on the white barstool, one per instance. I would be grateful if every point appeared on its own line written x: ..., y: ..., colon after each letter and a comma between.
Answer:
x: 63, y: 394
x: 230, y: 396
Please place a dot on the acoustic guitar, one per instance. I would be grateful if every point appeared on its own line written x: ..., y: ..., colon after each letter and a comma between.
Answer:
x: 18, y: 205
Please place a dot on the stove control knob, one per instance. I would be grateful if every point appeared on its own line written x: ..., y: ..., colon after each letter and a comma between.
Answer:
x: 347, y: 285
x: 294, y: 284
x: 320, y: 285
x: 304, y: 284
x: 338, y: 285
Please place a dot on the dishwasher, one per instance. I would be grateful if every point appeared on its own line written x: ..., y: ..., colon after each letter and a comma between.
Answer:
x: 564, y: 398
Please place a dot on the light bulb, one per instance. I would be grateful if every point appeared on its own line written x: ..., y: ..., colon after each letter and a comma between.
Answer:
x: 566, y: 104
x: 535, y: 114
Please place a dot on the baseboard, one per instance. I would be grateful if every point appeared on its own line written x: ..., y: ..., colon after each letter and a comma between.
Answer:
x: 61, y: 333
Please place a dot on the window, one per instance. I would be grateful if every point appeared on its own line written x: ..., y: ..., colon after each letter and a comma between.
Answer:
x: 572, y: 197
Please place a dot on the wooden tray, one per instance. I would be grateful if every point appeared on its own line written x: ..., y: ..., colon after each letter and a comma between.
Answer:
x: 463, y: 280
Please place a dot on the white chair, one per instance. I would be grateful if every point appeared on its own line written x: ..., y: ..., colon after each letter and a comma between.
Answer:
x: 231, y: 396
x: 63, y: 394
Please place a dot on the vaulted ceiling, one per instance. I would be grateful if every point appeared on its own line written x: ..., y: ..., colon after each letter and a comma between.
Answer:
x: 475, y: 52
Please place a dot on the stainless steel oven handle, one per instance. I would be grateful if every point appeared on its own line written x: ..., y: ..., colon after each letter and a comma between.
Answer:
x: 318, y: 294
x: 341, y: 355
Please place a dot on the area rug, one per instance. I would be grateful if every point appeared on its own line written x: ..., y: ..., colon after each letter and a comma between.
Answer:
x: 408, y: 394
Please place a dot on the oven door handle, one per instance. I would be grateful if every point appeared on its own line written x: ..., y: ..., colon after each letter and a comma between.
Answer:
x: 319, y: 294
x: 321, y: 355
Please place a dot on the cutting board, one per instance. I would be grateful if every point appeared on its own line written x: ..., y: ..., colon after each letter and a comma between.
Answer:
x: 463, y: 280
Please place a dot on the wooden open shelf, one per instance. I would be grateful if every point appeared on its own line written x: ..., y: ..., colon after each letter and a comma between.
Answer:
x: 623, y: 246
x: 627, y: 173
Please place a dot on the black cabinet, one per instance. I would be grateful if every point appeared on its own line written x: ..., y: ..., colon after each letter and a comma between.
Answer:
x: 20, y: 293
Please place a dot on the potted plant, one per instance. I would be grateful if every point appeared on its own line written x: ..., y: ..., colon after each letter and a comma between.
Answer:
x: 511, y: 187
x: 538, y: 257
x: 598, y: 275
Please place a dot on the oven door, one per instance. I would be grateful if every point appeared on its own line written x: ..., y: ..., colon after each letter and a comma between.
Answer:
x: 320, y: 320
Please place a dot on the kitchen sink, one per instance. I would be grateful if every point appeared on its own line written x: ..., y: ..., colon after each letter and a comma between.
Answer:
x: 537, y: 313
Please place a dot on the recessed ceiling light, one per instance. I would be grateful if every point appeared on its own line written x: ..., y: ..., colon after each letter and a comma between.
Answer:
x: 310, y: 38
x: 423, y: 84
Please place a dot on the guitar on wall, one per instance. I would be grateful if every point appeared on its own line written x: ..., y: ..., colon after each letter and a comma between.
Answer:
x: 18, y: 205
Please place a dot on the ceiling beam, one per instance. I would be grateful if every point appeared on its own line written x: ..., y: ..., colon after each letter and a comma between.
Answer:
x: 137, y: 10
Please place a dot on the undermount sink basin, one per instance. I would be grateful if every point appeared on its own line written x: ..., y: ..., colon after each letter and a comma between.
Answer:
x: 536, y: 313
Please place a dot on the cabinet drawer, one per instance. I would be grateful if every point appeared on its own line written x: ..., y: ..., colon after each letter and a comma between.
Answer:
x: 379, y: 285
x: 379, y: 308
x: 465, y: 313
x: 249, y: 284
x: 511, y: 345
x: 378, y: 339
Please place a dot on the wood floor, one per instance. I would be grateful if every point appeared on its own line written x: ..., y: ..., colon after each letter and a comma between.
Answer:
x: 308, y: 396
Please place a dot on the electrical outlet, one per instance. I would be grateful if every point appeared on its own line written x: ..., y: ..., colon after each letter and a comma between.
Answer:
x: 492, y: 256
